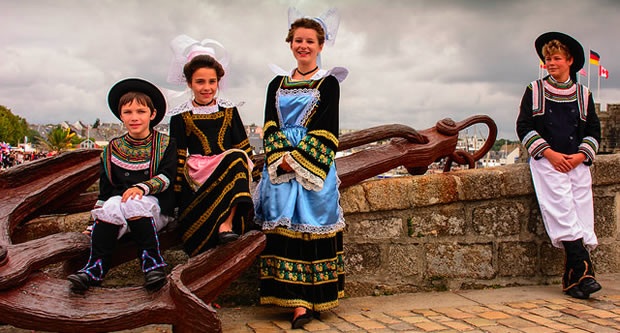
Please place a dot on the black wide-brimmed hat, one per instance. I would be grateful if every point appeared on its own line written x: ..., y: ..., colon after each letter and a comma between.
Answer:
x: 574, y: 47
x: 138, y: 85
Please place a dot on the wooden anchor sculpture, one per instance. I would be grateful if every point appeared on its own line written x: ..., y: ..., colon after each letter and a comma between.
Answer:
x: 34, y: 300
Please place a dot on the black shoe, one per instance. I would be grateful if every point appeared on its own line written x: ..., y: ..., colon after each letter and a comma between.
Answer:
x: 577, y: 293
x: 154, y: 279
x: 81, y: 281
x: 302, y: 320
x: 589, y: 285
x: 227, y: 237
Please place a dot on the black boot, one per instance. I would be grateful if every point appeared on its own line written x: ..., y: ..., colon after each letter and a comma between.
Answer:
x: 578, y: 280
x: 145, y: 234
x: 102, y: 243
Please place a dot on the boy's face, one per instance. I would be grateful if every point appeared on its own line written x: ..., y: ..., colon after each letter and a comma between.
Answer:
x: 137, y: 118
x: 558, y: 65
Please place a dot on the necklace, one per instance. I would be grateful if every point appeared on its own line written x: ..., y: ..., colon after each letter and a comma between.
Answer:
x: 207, y: 104
x: 306, y: 73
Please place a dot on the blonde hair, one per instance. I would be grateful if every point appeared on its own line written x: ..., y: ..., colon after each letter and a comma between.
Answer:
x: 555, y: 46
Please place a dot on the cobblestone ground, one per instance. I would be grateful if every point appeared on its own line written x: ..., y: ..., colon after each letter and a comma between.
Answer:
x: 515, y: 309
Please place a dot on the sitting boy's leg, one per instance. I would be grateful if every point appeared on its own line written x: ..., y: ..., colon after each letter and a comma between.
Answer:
x: 144, y: 233
x: 103, y: 241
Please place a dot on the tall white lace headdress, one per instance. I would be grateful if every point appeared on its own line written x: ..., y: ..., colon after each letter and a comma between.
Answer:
x: 185, y: 48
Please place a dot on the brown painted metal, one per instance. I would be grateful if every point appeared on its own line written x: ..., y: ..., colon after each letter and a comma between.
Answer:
x: 34, y: 300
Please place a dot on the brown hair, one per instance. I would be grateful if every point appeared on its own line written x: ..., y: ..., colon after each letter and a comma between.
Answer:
x: 555, y: 46
x: 202, y: 61
x: 308, y: 24
x: 137, y: 96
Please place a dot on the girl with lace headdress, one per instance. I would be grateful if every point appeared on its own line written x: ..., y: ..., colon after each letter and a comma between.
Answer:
x: 214, y: 155
x: 297, y: 201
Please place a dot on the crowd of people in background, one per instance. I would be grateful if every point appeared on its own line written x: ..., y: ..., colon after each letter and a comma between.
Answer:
x: 16, y: 157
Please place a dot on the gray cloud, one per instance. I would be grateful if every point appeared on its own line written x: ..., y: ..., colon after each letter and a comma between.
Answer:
x: 410, y: 62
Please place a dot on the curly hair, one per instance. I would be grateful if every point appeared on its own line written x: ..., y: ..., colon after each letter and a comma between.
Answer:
x: 555, y: 46
x: 308, y: 24
x: 202, y: 61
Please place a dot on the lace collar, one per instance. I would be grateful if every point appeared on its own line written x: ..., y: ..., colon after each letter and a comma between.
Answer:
x: 189, y: 106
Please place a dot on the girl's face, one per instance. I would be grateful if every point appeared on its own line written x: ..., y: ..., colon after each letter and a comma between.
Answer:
x: 558, y: 66
x: 204, y: 85
x: 305, y: 46
x: 137, y: 119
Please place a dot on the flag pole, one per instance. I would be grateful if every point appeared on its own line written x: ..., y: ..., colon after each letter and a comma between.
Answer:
x: 598, y: 94
x: 589, y: 53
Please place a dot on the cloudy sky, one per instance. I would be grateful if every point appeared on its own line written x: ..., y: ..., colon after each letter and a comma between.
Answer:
x: 410, y: 62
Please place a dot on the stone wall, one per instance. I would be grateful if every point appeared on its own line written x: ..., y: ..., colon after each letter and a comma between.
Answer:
x: 610, y: 128
x: 468, y: 229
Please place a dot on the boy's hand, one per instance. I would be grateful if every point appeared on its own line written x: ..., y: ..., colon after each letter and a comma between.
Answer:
x: 558, y: 160
x: 131, y: 194
x: 575, y: 159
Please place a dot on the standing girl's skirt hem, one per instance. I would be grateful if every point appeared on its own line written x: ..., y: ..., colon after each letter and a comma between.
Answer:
x: 297, y: 269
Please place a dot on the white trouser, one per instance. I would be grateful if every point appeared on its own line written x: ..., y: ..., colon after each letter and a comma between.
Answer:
x: 566, y: 202
x: 116, y: 212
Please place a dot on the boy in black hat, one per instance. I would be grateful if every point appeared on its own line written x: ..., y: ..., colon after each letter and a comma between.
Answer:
x: 135, y: 196
x: 559, y: 127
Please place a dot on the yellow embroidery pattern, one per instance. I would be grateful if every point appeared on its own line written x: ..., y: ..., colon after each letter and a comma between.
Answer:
x: 293, y: 303
x: 299, y: 235
x: 325, y: 134
x: 225, y: 126
x: 308, y: 165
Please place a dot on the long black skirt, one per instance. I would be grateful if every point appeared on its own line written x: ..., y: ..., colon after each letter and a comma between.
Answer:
x: 203, y: 211
x: 302, y: 269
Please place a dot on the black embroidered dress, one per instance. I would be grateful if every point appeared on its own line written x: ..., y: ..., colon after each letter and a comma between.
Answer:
x: 216, y: 136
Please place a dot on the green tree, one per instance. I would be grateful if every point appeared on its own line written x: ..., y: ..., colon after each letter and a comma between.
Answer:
x: 58, y: 140
x: 13, y: 128
x: 500, y: 142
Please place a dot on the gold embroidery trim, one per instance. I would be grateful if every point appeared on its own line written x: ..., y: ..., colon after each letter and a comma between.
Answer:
x: 191, y: 127
x: 307, y: 164
x: 301, y: 261
x: 242, y: 144
x: 299, y: 235
x: 242, y: 194
x: 219, y: 180
x: 201, y: 197
x: 293, y: 303
x: 325, y: 134
x: 275, y: 156
x: 227, y: 123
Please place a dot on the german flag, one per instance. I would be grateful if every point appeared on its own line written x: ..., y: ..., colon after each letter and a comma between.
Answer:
x: 594, y: 58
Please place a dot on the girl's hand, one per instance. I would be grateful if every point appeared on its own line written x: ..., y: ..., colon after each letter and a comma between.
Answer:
x: 131, y: 194
x: 284, y: 166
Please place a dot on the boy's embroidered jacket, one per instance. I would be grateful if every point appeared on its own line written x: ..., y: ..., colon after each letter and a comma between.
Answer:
x: 149, y: 164
x: 313, y: 156
x: 560, y: 116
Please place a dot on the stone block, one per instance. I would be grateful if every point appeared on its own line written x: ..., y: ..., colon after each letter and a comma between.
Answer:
x: 517, y: 179
x: 363, y: 259
x: 551, y: 260
x: 435, y: 189
x: 479, y: 184
x: 444, y: 220
x: 606, y: 169
x: 460, y: 260
x: 517, y: 259
x: 535, y: 224
x: 605, y: 224
x: 606, y: 258
x: 380, y: 228
x: 353, y: 200
x: 388, y: 194
x: 501, y: 218
x: 404, y: 260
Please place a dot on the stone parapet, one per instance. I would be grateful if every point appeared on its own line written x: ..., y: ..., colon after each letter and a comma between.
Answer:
x: 466, y: 229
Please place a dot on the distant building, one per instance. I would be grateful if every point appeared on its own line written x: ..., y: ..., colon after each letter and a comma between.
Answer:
x: 88, y: 144
x: 255, y: 137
